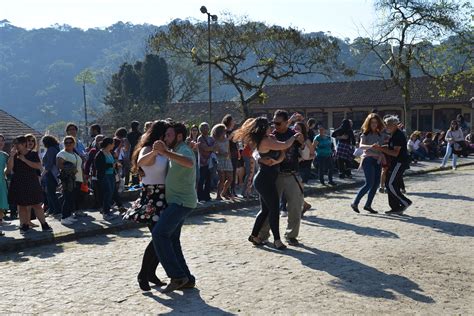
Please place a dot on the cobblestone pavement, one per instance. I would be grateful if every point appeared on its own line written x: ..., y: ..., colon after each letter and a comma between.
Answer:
x: 421, y: 263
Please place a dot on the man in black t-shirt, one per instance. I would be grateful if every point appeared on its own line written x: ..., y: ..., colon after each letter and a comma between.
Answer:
x: 397, y: 149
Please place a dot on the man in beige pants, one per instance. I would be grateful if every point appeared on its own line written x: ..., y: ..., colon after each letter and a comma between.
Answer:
x: 288, y: 182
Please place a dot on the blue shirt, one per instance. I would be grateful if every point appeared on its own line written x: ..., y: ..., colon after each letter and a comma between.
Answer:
x: 324, y: 148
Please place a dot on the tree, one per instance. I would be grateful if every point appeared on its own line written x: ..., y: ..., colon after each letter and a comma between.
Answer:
x: 84, y: 78
x: 249, y: 55
x: 403, y: 42
x: 138, y: 91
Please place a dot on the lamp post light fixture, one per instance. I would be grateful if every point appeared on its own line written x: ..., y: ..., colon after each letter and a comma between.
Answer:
x: 210, y: 17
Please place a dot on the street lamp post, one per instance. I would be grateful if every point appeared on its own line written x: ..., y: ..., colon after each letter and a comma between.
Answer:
x: 210, y: 17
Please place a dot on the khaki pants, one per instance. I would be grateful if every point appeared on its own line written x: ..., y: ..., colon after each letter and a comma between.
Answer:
x: 287, y: 186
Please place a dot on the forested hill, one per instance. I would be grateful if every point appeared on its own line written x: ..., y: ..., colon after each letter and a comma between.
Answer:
x: 37, y: 67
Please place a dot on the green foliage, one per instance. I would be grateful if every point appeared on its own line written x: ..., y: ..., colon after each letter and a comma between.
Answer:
x: 138, y: 92
x: 85, y: 77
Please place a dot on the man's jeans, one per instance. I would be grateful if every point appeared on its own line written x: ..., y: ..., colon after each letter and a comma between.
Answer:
x: 166, y: 235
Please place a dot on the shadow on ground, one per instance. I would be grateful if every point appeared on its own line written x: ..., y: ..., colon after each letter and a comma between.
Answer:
x: 359, y: 230
x: 356, y: 277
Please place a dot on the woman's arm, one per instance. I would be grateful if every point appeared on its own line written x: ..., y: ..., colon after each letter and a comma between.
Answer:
x: 271, y: 143
x: 31, y: 164
x: 391, y: 152
x: 147, y: 158
x: 10, y: 164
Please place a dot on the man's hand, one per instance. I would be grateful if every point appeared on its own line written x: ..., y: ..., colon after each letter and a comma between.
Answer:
x: 300, y: 138
x: 13, y: 152
x: 160, y: 147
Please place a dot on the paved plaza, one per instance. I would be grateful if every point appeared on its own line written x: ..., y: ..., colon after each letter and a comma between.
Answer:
x: 421, y: 263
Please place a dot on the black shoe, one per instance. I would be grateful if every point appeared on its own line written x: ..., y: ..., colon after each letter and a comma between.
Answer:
x: 46, y: 228
x: 175, y: 284
x: 404, y: 208
x: 293, y: 242
x: 332, y: 183
x: 322, y: 182
x: 394, y: 212
x: 342, y: 176
x: 370, y: 210
x: 156, y: 281
x: 24, y: 229
x: 143, y: 283
x: 190, y: 285
x: 355, y: 208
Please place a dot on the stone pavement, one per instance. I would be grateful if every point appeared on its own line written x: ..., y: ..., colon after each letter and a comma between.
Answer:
x: 348, y: 263
x: 93, y: 224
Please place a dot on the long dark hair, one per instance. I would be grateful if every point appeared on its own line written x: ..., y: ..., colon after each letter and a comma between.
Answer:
x: 304, y: 129
x: 155, y: 132
x: 451, y: 126
x: 253, y: 131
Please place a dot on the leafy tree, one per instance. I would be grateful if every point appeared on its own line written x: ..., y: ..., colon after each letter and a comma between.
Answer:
x: 248, y: 55
x: 403, y: 42
x: 85, y: 77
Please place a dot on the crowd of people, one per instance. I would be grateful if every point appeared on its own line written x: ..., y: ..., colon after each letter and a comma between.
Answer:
x: 176, y: 166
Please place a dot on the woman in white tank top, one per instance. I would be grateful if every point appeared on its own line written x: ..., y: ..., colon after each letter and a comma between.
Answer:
x: 148, y: 207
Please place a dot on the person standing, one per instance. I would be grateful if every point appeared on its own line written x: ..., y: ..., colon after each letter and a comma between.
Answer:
x: 344, y: 150
x: 3, y: 183
x: 453, y: 137
x: 134, y: 137
x: 324, y: 155
x: 181, y: 197
x: 229, y: 123
x: 224, y: 162
x: 397, y: 150
x: 50, y: 173
x: 71, y: 130
x: 123, y: 153
x: 288, y: 181
x: 70, y: 166
x: 104, y: 165
x: 371, y: 161
x: 90, y: 172
x: 152, y: 201
x: 25, y: 189
x: 205, y: 150
x: 257, y: 133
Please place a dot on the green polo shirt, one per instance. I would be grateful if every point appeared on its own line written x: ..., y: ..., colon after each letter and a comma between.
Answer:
x: 181, y: 181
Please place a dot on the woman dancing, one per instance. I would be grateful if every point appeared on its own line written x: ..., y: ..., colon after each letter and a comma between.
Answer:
x: 257, y: 133
x: 152, y: 201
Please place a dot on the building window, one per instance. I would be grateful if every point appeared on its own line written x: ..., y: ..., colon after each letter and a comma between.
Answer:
x: 337, y: 118
x: 425, y: 120
x: 443, y: 118
x: 358, y: 118
x: 414, y: 119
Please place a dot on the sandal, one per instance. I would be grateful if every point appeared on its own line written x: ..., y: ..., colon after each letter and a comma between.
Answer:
x: 256, y: 241
x: 279, y: 244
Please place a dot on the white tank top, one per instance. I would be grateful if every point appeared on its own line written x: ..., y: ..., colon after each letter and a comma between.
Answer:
x: 156, y: 173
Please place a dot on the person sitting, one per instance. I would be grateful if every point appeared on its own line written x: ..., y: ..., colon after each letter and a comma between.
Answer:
x: 415, y: 147
x: 431, y: 147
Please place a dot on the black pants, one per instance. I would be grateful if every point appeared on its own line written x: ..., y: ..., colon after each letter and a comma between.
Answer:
x: 393, y: 183
x: 235, y: 164
x: 71, y: 200
x: 265, y: 184
x: 204, y: 184
x: 344, y: 167
x: 150, y: 259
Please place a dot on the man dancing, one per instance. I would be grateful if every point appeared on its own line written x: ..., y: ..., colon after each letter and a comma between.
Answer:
x: 182, y: 199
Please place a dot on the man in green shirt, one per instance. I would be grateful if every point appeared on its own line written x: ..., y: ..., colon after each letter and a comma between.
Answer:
x: 181, y: 198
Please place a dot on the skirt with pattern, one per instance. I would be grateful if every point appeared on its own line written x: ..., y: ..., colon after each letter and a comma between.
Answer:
x: 344, y: 151
x: 148, y: 207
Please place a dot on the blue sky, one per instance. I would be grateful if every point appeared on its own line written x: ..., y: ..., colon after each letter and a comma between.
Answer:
x: 343, y: 18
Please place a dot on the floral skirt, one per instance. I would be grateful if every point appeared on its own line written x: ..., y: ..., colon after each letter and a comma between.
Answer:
x: 148, y: 207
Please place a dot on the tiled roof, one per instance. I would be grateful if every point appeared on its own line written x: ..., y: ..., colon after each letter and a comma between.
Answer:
x: 11, y: 127
x: 368, y: 93
x: 197, y: 112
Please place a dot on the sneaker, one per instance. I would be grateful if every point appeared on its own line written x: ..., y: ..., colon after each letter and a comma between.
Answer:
x: 80, y: 214
x: 394, y: 212
x: 109, y: 216
x: 68, y: 221
x: 24, y: 229
x: 454, y: 168
x: 370, y: 210
x: 403, y: 209
x: 176, y: 284
x: 293, y: 242
x: 46, y: 228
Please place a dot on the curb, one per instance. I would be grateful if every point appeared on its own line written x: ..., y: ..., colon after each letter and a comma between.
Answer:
x: 20, y: 244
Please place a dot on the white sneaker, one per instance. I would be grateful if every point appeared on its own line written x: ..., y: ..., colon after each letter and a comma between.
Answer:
x: 67, y: 221
x: 283, y: 214
x: 454, y: 168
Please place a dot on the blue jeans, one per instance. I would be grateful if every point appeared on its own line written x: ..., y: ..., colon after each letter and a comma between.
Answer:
x: 51, y: 197
x: 107, y: 188
x: 166, y: 239
x: 372, y: 171
x: 449, y: 151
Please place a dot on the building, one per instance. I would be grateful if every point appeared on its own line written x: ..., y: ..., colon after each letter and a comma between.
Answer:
x: 11, y: 127
x: 329, y: 103
x: 197, y: 112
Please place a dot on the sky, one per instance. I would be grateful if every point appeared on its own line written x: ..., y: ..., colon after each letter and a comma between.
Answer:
x: 342, y: 18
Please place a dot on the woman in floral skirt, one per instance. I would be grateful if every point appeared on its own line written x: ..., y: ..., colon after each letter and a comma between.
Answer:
x: 153, y: 168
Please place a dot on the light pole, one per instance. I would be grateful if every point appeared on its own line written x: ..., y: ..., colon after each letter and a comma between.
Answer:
x: 210, y: 17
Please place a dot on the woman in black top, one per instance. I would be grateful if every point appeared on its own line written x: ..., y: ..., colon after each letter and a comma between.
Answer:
x: 25, y: 189
x: 256, y: 132
x: 344, y: 151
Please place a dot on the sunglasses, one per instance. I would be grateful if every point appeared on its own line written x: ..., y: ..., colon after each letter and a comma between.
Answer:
x: 68, y: 143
